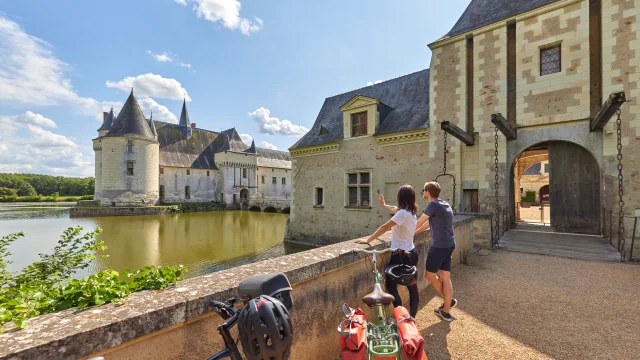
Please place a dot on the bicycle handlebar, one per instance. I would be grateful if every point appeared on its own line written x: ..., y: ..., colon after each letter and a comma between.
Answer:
x: 224, y: 310
x: 374, y: 251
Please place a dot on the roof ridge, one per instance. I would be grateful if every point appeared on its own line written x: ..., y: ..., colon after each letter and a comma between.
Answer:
x: 364, y: 87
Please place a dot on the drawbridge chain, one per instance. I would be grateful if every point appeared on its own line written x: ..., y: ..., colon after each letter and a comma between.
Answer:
x: 621, y: 245
x: 497, y: 193
x: 444, y: 173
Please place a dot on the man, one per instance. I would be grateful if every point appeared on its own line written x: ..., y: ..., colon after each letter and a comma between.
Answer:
x: 440, y: 217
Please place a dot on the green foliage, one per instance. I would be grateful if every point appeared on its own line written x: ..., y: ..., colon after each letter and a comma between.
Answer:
x: 86, y: 197
x: 46, y: 185
x: 530, y: 196
x: 39, y: 198
x: 8, y: 192
x: 47, y: 285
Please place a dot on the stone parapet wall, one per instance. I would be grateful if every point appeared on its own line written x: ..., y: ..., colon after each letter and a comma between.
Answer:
x: 177, y: 324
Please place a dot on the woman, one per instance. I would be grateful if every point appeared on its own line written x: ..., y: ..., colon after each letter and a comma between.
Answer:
x: 402, y: 226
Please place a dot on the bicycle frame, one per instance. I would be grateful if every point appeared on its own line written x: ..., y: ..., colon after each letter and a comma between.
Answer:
x: 231, y: 350
x: 382, y: 334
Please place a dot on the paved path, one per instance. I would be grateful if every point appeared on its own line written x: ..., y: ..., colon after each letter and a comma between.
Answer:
x: 538, y: 239
x: 523, y: 306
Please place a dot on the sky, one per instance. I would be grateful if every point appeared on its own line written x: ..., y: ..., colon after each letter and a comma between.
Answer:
x: 263, y: 67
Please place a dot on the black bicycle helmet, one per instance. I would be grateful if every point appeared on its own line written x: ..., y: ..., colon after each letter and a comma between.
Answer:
x: 402, y: 274
x: 265, y: 329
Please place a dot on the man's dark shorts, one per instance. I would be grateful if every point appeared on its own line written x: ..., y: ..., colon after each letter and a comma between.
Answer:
x: 439, y: 259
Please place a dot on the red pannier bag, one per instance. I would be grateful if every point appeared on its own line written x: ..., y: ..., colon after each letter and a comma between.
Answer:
x: 353, y: 336
x: 411, y: 342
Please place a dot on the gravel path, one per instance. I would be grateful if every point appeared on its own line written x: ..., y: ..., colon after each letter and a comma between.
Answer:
x: 521, y: 306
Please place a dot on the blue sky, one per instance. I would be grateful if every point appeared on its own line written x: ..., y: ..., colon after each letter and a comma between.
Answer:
x: 264, y: 67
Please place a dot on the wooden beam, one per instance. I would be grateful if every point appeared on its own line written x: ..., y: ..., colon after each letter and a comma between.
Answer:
x: 608, y: 109
x: 458, y: 133
x: 504, y: 126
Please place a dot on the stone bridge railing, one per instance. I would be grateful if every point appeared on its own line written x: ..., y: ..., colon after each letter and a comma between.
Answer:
x: 177, y: 323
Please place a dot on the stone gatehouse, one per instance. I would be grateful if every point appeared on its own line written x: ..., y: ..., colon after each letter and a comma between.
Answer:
x: 541, y: 69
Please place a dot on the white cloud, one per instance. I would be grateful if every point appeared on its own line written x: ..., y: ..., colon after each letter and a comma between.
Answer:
x: 226, y: 11
x: 34, y: 149
x: 185, y: 65
x: 30, y: 73
x: 375, y: 82
x: 273, y: 125
x: 246, y: 138
x: 164, y: 57
x: 151, y: 85
x: 160, y: 112
x: 11, y: 123
x: 266, y: 145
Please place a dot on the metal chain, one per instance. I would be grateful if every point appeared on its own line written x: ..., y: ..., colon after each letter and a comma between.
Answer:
x: 496, y: 188
x: 620, y: 189
x: 444, y: 167
x: 444, y: 172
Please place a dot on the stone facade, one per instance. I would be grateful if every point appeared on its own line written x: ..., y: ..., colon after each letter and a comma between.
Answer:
x: 140, y: 162
x: 480, y: 69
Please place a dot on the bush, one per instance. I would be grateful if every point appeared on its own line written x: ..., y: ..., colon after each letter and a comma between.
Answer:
x: 86, y: 197
x: 47, y: 285
x: 8, y: 192
x: 530, y: 196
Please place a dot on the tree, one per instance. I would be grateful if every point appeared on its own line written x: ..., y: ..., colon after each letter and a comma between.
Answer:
x: 7, y: 192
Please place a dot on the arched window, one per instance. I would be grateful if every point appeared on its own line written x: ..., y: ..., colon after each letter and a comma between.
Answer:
x: 187, y: 192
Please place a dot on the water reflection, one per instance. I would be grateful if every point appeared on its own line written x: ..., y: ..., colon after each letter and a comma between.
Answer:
x: 204, y: 242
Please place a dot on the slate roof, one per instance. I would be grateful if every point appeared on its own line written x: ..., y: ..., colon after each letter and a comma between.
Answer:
x: 131, y: 122
x: 195, y: 152
x: 480, y: 13
x: 407, y: 98
x: 273, y: 158
x: 106, y: 124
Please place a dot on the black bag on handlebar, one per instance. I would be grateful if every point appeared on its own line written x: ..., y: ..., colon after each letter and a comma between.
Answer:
x: 274, y: 285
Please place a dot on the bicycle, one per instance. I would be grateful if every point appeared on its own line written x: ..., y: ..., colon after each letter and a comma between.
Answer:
x: 382, y: 334
x: 229, y: 313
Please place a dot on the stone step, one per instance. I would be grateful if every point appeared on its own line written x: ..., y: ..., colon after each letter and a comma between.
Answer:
x: 605, y: 257
x: 595, y: 245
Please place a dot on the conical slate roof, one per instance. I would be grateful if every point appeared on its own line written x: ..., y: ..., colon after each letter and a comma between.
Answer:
x: 184, y: 116
x: 152, y: 125
x: 131, y: 122
x: 252, y: 149
x: 108, y: 122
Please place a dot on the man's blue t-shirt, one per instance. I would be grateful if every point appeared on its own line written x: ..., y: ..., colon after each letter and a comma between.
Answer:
x: 441, y: 224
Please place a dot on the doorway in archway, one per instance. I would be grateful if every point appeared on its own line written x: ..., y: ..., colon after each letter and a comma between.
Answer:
x: 557, y: 184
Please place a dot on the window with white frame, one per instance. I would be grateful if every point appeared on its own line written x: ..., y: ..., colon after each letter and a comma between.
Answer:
x: 274, y: 180
x: 358, y: 188
x: 284, y: 181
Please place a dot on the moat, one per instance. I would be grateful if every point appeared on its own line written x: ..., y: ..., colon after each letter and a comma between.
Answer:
x: 203, y: 242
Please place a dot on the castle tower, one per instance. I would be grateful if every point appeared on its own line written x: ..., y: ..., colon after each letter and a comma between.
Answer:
x: 97, y: 149
x: 130, y: 159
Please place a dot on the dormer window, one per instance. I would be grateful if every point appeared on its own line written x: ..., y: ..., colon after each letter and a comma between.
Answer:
x: 359, y: 124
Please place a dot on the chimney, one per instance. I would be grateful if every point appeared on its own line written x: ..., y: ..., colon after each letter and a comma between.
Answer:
x: 193, y: 125
x: 104, y: 115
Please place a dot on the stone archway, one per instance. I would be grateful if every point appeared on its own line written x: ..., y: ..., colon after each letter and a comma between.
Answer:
x: 574, y: 185
x: 577, y: 133
x: 244, y: 199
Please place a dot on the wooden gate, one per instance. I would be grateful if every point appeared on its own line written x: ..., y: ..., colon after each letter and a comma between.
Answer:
x: 574, y: 182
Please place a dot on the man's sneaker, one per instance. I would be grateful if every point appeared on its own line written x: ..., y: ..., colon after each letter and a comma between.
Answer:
x: 443, y: 315
x: 454, y: 302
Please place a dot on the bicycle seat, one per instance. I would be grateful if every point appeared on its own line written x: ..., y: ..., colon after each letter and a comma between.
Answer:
x: 377, y: 296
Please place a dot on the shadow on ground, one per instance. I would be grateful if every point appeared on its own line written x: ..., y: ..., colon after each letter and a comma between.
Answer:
x: 522, y: 306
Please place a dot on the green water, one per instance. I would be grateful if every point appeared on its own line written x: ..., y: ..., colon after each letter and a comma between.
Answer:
x: 203, y: 242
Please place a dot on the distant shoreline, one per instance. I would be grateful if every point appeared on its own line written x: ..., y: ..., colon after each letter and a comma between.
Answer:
x: 16, y: 199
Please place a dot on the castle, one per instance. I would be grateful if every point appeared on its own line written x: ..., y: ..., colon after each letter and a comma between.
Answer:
x: 142, y: 162
x: 512, y: 84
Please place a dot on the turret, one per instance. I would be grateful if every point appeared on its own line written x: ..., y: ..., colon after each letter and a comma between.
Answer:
x: 130, y: 159
x: 185, y: 124
x: 106, y: 124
